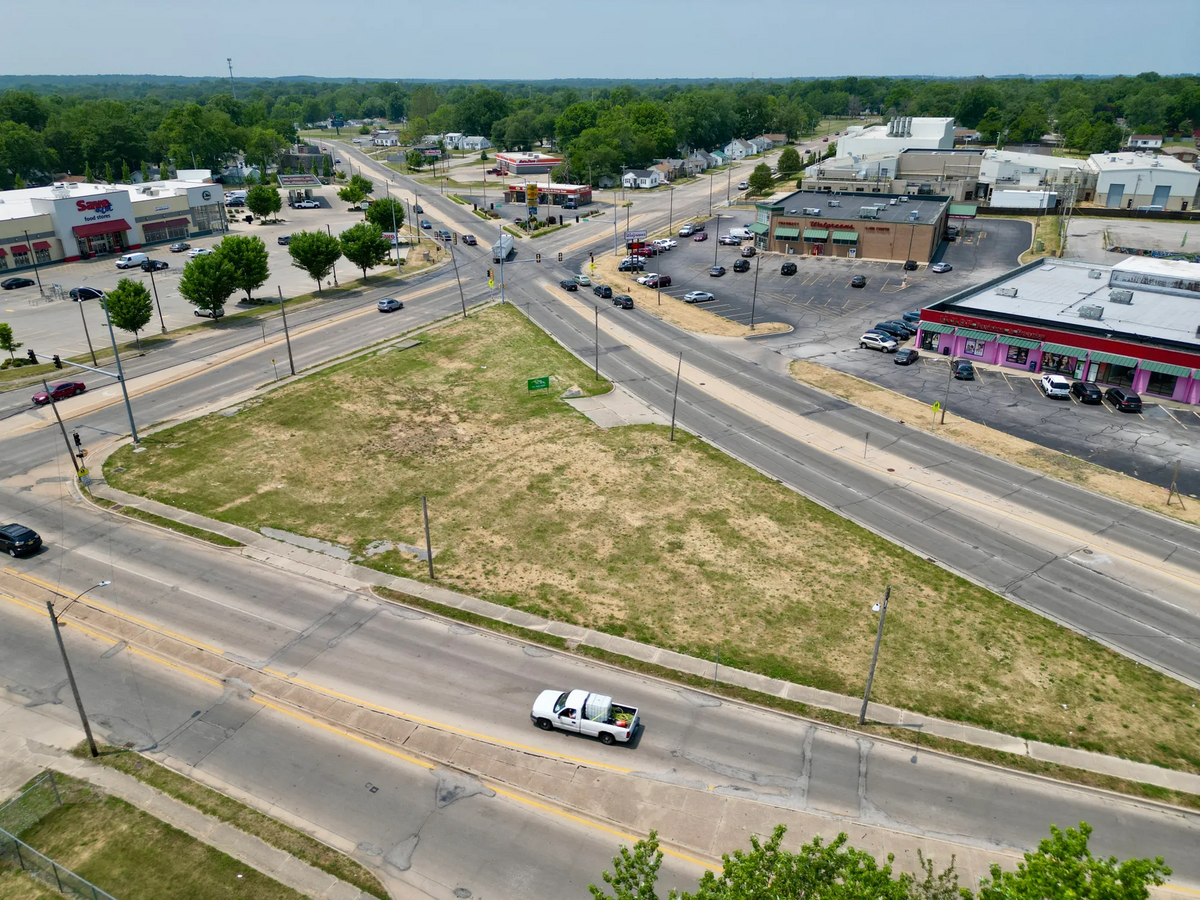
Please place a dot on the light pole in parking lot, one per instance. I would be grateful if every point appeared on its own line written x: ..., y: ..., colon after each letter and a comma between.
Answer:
x: 717, y: 242
x: 671, y: 212
x: 86, y: 334
x: 154, y: 285
x: 33, y: 256
x: 329, y: 231
x: 754, y: 297
x: 710, y: 182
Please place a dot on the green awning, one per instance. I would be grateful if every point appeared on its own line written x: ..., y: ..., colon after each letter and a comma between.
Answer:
x: 963, y: 210
x: 1019, y: 342
x: 977, y: 335
x: 1165, y: 368
x: 1064, y: 350
x: 845, y: 237
x: 816, y: 234
x: 1113, y: 359
x: 787, y: 233
x: 759, y: 228
x: 936, y: 326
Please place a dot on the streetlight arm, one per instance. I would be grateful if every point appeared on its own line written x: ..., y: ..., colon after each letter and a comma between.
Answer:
x: 62, y: 612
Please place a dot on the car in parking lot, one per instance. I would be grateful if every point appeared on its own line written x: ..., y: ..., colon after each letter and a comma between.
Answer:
x: 912, y: 317
x: 873, y: 340
x: 10, y: 284
x: 210, y: 313
x: 624, y: 301
x: 906, y: 356
x: 903, y: 327
x: 939, y: 268
x: 308, y: 204
x: 741, y: 265
x: 648, y: 250
x: 788, y: 268
x: 469, y: 240
x: 698, y: 297
x: 568, y: 285
x: 60, y: 391
x: 748, y: 251
x: 603, y: 290
x: 79, y: 294
x: 728, y: 240
x: 716, y: 271
x: 631, y: 264
x: 179, y: 247
x: 910, y: 265
x: 900, y: 334
x: 687, y: 231
x: 583, y: 281
x: 1086, y: 392
x: 701, y: 236
x: 964, y: 371
x: 666, y: 243
x: 425, y: 224
x: 858, y: 281
x: 1056, y: 387
x: 155, y: 265
x: 17, y: 540
x: 1123, y: 399
x: 198, y: 251
x: 284, y: 240
x: 390, y: 304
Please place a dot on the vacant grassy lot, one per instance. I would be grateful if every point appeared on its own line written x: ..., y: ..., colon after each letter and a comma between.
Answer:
x: 134, y: 856
x: 674, y: 544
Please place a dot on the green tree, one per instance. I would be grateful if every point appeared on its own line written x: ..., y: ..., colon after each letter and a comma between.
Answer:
x: 87, y: 173
x: 7, y: 342
x: 364, y: 129
x: 789, y: 162
x: 130, y: 307
x: 315, y: 252
x: 381, y: 212
x: 164, y: 171
x: 145, y: 172
x: 108, y: 173
x: 364, y: 245
x: 415, y: 159
x: 761, y: 180
x: 326, y: 166
x: 366, y: 185
x: 126, y: 175
x: 1063, y: 866
x: 352, y: 194
x: 23, y: 153
x: 634, y: 874
x: 263, y: 200
x: 207, y: 282
x: 247, y: 257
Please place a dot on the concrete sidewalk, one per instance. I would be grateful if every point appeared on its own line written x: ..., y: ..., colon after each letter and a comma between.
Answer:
x: 30, y: 743
x: 351, y: 576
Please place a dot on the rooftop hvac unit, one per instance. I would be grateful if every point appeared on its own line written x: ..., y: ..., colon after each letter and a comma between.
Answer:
x: 835, y: 202
x: 892, y: 202
x: 1091, y: 311
x: 1006, y: 292
x: 1125, y: 297
x: 812, y: 210
x: 915, y: 214
x: 868, y: 212
x: 903, y: 199
x: 1095, y: 273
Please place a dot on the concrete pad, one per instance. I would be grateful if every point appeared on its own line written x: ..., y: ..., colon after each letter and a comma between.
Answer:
x: 546, y: 785
x: 1122, y: 768
x: 556, y: 768
x: 368, y: 721
x: 439, y: 745
x: 616, y: 408
x: 679, y: 828
x: 396, y: 731
x: 633, y: 649
x: 622, y: 805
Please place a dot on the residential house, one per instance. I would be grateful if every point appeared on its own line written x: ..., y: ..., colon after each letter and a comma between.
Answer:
x: 1145, y: 142
x: 453, y: 140
x: 641, y: 178
x: 776, y: 139
x: 699, y: 161
x: 475, y: 143
x: 384, y: 138
x: 665, y: 173
x: 739, y: 149
x: 719, y: 158
x: 606, y: 181
x: 674, y: 167
x: 966, y: 136
x: 763, y: 141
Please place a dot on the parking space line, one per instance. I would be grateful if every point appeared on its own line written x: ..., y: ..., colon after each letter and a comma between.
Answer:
x: 1172, y: 415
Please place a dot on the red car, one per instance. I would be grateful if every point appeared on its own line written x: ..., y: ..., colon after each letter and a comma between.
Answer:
x: 645, y: 251
x: 60, y: 392
x: 702, y: 236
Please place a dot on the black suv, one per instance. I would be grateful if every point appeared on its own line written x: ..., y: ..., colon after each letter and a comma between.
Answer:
x: 741, y: 265
x: 1123, y: 399
x: 1086, y: 392
x: 17, y: 540
x: 603, y: 290
x: 891, y: 328
x: 623, y: 300
x: 787, y: 269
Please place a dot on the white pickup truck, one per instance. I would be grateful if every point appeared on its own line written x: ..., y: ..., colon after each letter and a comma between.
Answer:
x: 594, y: 715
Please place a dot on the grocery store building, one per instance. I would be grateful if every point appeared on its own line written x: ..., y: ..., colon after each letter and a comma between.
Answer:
x: 1134, y: 325
x: 69, y: 221
x: 894, y: 227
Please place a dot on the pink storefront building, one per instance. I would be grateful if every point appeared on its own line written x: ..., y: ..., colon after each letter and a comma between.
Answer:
x: 1133, y: 325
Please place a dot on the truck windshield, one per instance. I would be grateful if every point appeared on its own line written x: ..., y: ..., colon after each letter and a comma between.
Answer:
x: 560, y: 702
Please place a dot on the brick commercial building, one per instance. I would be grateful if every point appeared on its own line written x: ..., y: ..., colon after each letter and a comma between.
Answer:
x: 895, y: 227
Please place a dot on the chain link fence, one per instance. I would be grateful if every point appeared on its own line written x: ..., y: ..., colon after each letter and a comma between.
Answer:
x: 25, y: 811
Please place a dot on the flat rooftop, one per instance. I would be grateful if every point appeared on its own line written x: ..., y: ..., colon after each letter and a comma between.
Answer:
x: 18, y: 204
x: 1055, y: 291
x: 928, y: 208
x: 1134, y: 160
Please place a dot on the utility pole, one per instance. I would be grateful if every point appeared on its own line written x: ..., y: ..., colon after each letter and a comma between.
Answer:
x: 428, y: 545
x: 87, y: 728
x: 1174, y: 492
x: 862, y: 715
x: 671, y: 212
x: 453, y: 259
x: 71, y: 452
x: 717, y: 242
x: 286, y: 336
x: 83, y: 318
x: 616, y: 212
x: 33, y: 255
x: 329, y: 232
x: 232, y: 87
x: 597, y: 309
x: 675, y: 399
x: 154, y: 285
x: 395, y: 233
x: 949, y: 376
x: 710, y: 182
x: 754, y: 297
x: 120, y: 372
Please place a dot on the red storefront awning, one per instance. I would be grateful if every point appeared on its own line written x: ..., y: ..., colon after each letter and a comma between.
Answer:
x: 20, y: 248
x: 101, y: 228
x: 3, y: 252
x: 41, y: 245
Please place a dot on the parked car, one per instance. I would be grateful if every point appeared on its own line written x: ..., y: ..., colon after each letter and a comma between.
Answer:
x: 1123, y: 399
x: 179, y: 247
x: 701, y: 236
x: 583, y: 281
x: 910, y: 265
x: 155, y: 265
x: 749, y: 252
x: 198, y: 251
x: 603, y: 290
x: 912, y: 317
x: 728, y: 240
x: 666, y: 243
x: 964, y: 371
x: 858, y: 281
x: 389, y: 305
x: 285, y: 239
x: 905, y: 329
x: 716, y: 271
x: 906, y: 356
x: 210, y: 313
x: 939, y: 268
x: 60, y: 392
x: 308, y: 204
x: 788, y: 268
x: 1086, y: 392
x: 624, y: 301
x: 568, y: 285
x: 687, y: 231
x: 1056, y: 387
x: 900, y: 334
x: 79, y: 294
x: 425, y: 224
x: 741, y: 265
x: 234, y: 202
x: 631, y: 265
x: 129, y: 260
x: 659, y: 281
x: 17, y: 540
x: 469, y: 240
x: 698, y: 297
x: 875, y: 341
x: 742, y: 185
x: 698, y: 226
x: 646, y: 251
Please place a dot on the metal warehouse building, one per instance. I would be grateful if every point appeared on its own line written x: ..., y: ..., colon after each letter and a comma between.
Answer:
x: 1135, y: 325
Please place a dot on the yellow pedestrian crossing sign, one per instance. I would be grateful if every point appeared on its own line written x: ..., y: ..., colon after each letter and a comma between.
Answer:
x: 937, y: 404
x: 592, y: 266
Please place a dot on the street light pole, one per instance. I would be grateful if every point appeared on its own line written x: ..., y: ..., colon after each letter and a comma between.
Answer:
x: 717, y: 242
x: 329, y: 232
x: 87, y: 728
x: 286, y: 336
x: 671, y: 213
x: 154, y: 285
x: 86, y: 334
x: 754, y: 297
x: 33, y: 256
x: 862, y: 715
x: 949, y: 375
x: 675, y: 399
x: 61, y: 427
x: 120, y: 372
x: 461, y: 296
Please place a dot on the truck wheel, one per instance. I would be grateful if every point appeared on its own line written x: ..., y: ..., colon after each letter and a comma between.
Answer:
x: 607, y: 737
x: 545, y: 724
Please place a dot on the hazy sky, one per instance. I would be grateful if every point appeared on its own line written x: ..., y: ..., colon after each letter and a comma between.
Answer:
x: 536, y: 39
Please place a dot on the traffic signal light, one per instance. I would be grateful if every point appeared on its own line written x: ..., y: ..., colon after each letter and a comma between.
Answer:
x: 490, y: 275
x: 560, y: 256
x: 456, y: 237
x: 57, y: 361
x: 32, y: 356
x: 592, y: 257
x: 539, y: 257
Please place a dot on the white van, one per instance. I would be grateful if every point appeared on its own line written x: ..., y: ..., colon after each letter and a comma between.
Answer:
x: 130, y: 260
x: 742, y: 233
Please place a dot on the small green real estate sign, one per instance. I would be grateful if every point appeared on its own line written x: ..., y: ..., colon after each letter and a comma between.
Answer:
x: 538, y: 384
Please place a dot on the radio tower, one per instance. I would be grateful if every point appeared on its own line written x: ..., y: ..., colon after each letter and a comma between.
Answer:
x: 232, y: 88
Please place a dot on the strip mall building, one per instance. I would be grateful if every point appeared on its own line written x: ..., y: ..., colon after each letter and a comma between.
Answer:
x: 69, y: 221
x: 1134, y: 325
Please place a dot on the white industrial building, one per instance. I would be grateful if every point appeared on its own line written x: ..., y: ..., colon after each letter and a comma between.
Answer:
x: 1132, y: 180
x: 901, y: 133
x: 1012, y: 170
